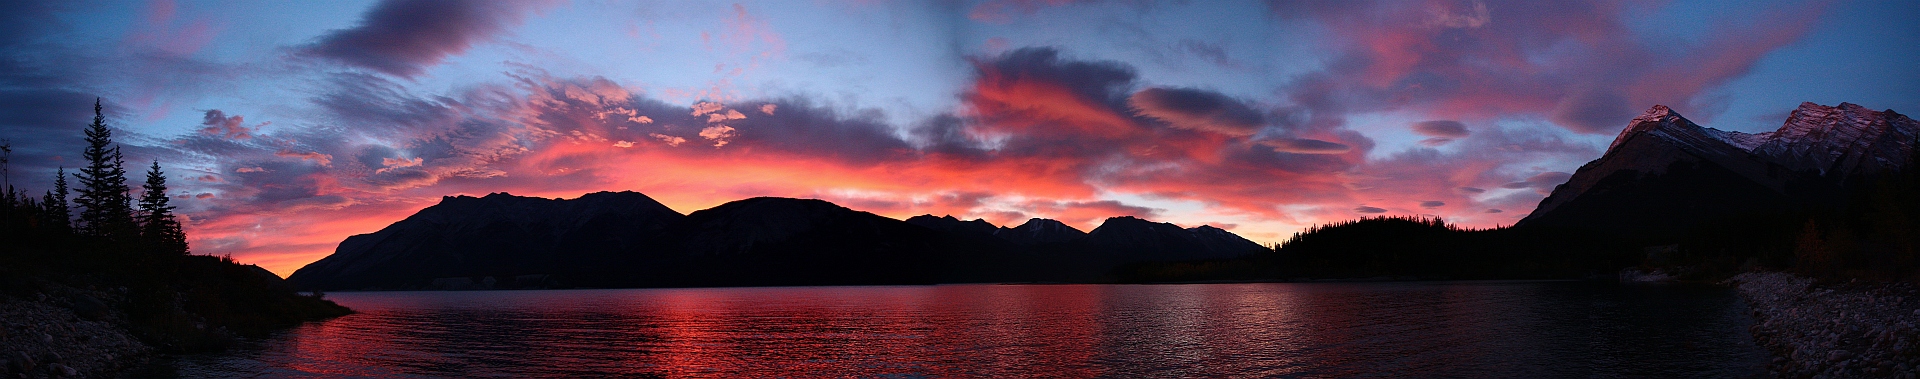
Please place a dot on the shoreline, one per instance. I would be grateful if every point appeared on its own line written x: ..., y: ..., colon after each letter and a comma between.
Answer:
x: 1853, y: 329
x: 1847, y: 330
x: 70, y: 333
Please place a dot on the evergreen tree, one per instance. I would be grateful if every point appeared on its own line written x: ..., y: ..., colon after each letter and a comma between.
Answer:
x: 6, y: 154
x: 159, y: 228
x: 106, y: 209
x: 54, y: 204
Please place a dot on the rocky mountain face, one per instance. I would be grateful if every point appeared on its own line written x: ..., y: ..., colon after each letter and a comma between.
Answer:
x: 629, y: 240
x: 1665, y: 174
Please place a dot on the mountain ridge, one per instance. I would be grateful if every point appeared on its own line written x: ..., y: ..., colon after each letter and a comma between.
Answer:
x: 627, y: 239
x: 1665, y: 172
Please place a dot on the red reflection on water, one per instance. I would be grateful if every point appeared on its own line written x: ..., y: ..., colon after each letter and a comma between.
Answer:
x: 1071, y: 331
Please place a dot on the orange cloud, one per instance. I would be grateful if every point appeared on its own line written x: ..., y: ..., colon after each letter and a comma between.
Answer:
x: 1037, y: 136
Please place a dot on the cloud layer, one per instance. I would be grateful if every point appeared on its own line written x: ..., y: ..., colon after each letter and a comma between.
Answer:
x: 1488, y: 104
x: 405, y: 37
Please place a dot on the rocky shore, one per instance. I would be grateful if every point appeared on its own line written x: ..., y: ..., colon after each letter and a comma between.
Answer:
x: 69, y: 333
x: 1846, y: 330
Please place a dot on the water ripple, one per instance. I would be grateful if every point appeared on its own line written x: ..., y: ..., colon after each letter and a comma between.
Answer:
x: 1470, y: 329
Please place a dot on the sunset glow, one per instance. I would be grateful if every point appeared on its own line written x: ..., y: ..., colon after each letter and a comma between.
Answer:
x: 286, y: 128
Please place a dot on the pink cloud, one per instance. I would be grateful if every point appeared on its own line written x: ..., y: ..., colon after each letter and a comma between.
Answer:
x: 1036, y: 135
x: 1576, y: 63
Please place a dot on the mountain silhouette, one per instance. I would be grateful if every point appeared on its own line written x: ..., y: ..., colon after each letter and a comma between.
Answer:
x: 627, y: 239
x: 1664, y: 174
x: 496, y: 235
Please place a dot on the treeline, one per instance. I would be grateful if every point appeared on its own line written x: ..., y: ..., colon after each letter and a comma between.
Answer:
x: 1409, y: 248
x: 108, y: 214
x: 96, y: 243
x: 1871, y: 230
x: 1867, y: 227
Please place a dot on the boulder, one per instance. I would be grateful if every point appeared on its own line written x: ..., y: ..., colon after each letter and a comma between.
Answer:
x: 89, y: 308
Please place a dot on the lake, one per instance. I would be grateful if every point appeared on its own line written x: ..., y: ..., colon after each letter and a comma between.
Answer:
x: 1425, y: 329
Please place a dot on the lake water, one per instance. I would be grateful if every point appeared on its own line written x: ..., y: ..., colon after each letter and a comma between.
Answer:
x: 1455, y: 329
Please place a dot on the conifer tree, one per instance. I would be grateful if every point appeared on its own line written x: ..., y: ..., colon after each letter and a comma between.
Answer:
x: 54, y: 204
x: 159, y: 228
x: 6, y: 174
x: 6, y: 154
x: 106, y: 209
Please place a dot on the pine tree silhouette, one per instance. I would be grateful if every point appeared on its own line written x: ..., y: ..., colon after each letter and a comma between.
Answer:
x: 159, y: 229
x: 59, y: 218
x: 106, y: 209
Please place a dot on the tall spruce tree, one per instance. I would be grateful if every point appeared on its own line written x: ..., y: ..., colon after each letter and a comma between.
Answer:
x: 158, y: 228
x: 6, y: 154
x: 54, y: 204
x: 106, y: 207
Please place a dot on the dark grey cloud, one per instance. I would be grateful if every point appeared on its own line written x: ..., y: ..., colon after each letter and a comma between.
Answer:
x: 796, y: 124
x: 217, y: 123
x: 1432, y: 204
x: 1433, y: 56
x: 1211, y: 52
x: 802, y: 126
x: 1592, y: 111
x: 377, y: 104
x: 1542, y: 182
x: 1105, y: 81
x: 28, y: 59
x: 1196, y: 109
x: 1305, y: 146
x: 44, y: 101
x: 1441, y: 129
x: 405, y: 37
x: 1368, y: 210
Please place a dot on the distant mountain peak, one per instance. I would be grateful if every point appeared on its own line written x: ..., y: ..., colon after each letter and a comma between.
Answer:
x: 949, y: 223
x: 1842, y: 139
x: 1664, y: 172
x: 1037, y: 222
x: 1128, y: 235
x: 1659, y: 111
x: 1039, y: 230
x: 1658, y: 118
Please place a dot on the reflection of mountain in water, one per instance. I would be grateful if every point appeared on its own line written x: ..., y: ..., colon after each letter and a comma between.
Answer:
x: 1486, y: 329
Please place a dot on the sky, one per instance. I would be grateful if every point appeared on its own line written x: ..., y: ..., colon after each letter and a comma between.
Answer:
x: 285, y: 127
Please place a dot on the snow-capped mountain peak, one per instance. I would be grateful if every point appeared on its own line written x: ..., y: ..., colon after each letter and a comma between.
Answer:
x: 1664, y: 172
x: 1844, y: 138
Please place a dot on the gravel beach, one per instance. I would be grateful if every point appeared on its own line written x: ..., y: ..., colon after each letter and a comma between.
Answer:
x: 70, y: 333
x: 1847, y: 330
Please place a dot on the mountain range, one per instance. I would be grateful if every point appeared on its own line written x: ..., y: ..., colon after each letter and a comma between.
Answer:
x: 1833, y: 193
x: 626, y: 239
x: 1665, y: 175
x: 1662, y: 181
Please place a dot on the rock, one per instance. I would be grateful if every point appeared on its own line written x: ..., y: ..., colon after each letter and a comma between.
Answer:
x: 89, y: 308
x: 63, y: 370
x: 52, y: 357
x: 46, y: 338
x: 22, y: 362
